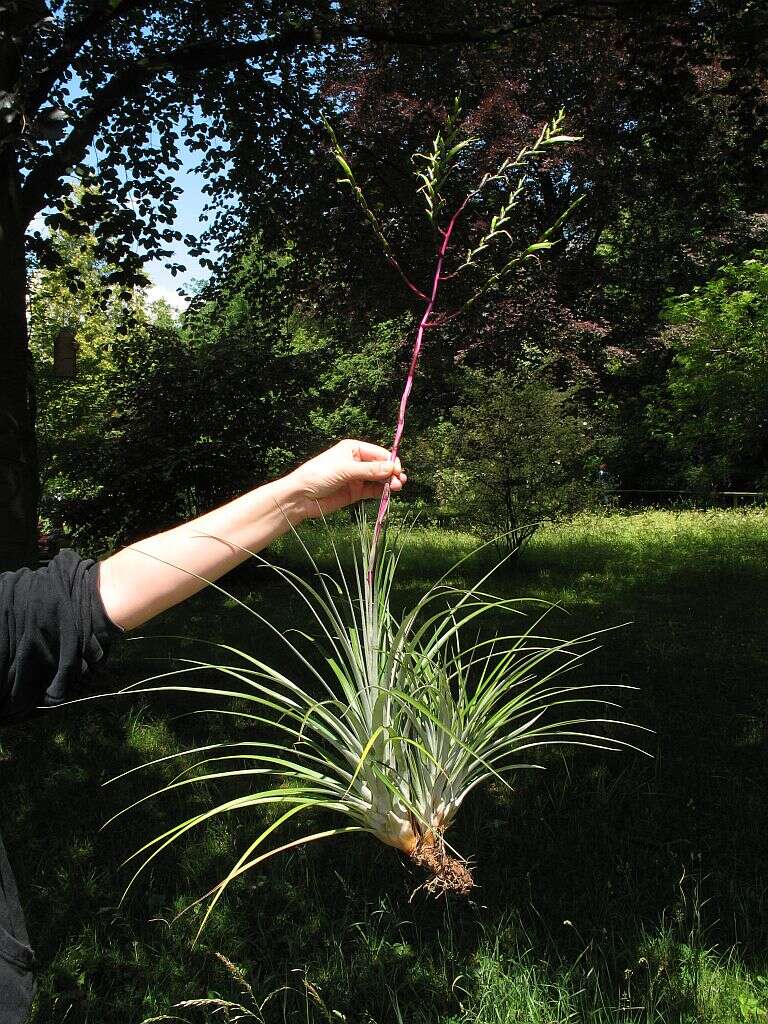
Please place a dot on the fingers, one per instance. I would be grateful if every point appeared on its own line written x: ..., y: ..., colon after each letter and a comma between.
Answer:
x: 378, y: 469
x: 366, y: 452
x: 374, y: 490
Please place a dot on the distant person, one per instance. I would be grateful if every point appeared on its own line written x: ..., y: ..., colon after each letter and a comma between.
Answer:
x: 56, y: 623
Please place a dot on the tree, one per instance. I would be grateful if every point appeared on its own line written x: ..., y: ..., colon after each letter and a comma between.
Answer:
x: 342, y: 371
x: 128, y: 77
x: 711, y: 416
x: 161, y: 422
x: 511, y: 456
x: 110, y: 89
x: 672, y: 124
x: 74, y: 415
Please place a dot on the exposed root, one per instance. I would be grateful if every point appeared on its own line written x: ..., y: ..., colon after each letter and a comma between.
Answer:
x: 448, y: 874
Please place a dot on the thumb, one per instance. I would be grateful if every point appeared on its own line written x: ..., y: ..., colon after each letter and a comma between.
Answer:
x: 374, y: 470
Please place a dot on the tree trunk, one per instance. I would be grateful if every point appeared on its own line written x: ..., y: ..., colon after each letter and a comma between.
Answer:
x: 18, y: 453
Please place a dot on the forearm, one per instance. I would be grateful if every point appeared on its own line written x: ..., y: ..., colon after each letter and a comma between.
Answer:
x: 148, y: 577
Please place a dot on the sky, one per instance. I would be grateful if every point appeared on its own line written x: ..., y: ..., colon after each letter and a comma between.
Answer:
x: 189, y: 207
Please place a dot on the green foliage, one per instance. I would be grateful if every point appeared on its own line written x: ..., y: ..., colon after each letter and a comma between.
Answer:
x: 711, y: 412
x: 160, y: 422
x: 350, y: 372
x: 76, y: 293
x: 74, y: 415
x: 249, y: 294
x: 335, y: 372
x: 191, y: 427
x: 510, y: 456
x: 166, y: 418
x: 439, y: 163
x: 672, y: 109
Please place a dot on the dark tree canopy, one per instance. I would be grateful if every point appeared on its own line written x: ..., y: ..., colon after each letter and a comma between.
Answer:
x: 670, y: 95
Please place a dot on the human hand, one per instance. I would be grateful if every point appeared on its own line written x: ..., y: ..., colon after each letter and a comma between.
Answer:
x: 344, y: 474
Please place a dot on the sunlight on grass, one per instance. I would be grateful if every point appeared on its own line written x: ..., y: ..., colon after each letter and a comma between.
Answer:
x: 151, y: 738
x: 658, y: 540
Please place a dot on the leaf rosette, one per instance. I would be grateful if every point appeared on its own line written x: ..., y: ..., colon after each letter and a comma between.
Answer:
x: 389, y: 722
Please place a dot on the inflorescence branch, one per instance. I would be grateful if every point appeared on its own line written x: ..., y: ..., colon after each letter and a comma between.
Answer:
x: 437, y: 166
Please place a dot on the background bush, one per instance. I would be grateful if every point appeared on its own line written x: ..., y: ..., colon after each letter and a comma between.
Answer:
x: 510, y: 455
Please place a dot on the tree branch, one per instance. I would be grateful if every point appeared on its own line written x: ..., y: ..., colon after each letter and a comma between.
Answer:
x: 42, y: 182
x: 99, y: 17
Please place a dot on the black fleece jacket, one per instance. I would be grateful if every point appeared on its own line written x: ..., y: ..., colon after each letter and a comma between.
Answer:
x: 53, y: 631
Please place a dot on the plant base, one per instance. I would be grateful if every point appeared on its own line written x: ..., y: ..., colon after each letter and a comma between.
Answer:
x: 448, y: 874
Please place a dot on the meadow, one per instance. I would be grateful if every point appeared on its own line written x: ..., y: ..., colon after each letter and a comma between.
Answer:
x: 612, y: 889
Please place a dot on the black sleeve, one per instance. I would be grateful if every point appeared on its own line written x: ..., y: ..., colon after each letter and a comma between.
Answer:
x: 53, y: 630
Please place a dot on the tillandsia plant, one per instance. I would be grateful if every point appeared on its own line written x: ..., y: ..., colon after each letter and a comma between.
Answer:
x: 391, y: 721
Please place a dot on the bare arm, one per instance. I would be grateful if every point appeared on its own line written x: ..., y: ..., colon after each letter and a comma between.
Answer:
x: 136, y: 583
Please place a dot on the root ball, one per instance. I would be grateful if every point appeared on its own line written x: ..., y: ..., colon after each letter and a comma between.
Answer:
x: 448, y: 874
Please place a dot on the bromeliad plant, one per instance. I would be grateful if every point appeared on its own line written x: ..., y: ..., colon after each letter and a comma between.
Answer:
x: 391, y: 721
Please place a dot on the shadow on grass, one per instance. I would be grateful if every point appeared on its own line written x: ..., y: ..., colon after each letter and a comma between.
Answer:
x: 611, y: 888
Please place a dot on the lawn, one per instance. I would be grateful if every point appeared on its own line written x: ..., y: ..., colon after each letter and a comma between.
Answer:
x: 611, y: 888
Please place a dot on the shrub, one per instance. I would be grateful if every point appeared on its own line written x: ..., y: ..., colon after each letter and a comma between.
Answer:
x: 710, y: 417
x: 510, y: 457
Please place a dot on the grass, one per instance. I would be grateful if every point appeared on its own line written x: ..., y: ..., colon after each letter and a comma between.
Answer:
x: 613, y: 889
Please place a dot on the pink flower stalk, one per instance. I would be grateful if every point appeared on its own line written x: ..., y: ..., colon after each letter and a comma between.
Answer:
x: 439, y: 163
x: 424, y: 323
